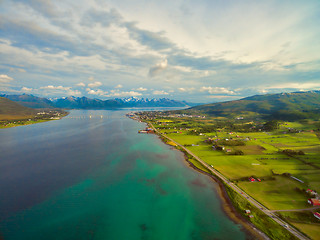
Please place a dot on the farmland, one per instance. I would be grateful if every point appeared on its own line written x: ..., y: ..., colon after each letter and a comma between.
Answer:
x: 285, y: 159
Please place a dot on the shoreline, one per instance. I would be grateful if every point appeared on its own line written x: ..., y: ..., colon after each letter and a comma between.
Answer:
x: 228, y: 208
x: 226, y: 204
x: 262, y: 223
x: 28, y: 121
x: 231, y: 212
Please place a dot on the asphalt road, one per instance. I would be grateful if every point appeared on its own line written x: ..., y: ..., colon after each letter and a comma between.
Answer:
x: 240, y: 191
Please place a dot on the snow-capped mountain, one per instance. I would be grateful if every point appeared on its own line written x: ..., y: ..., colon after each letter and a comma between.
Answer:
x: 89, y: 103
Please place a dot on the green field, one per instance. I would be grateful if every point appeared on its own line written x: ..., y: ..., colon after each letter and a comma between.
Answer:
x: 6, y: 124
x: 275, y: 157
x: 312, y: 230
x: 304, y: 221
x: 274, y: 194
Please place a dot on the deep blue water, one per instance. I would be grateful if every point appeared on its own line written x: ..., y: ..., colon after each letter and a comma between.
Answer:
x: 96, y: 178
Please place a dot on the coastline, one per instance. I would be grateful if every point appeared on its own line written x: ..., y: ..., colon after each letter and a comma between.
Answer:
x: 24, y: 122
x: 228, y: 207
x: 226, y: 203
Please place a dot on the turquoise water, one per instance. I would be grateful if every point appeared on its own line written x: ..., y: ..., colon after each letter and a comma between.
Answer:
x: 96, y: 178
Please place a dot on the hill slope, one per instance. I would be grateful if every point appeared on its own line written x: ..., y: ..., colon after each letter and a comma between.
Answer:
x: 30, y: 101
x: 13, y: 110
x: 296, y: 105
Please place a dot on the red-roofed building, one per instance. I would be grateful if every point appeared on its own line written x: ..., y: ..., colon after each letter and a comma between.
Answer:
x: 251, y: 179
x: 317, y: 215
x: 312, y: 192
x: 314, y: 202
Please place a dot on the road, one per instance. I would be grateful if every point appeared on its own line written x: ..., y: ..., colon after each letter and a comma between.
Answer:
x: 239, y: 191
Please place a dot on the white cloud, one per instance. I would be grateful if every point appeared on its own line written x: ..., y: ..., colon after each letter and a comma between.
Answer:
x: 118, y: 86
x: 59, y: 90
x: 216, y: 90
x: 115, y: 93
x: 74, y: 92
x: 155, y: 70
x: 48, y: 90
x: 186, y: 89
x: 5, y: 78
x: 18, y: 70
x: 26, y: 89
x: 95, y: 84
x: 194, y: 72
x: 157, y: 92
x: 51, y: 87
x: 300, y: 86
x: 223, y: 97
x: 141, y: 89
x: 97, y: 92
x: 183, y: 44
x: 81, y: 84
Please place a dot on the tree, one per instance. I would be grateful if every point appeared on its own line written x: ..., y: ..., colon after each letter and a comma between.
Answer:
x: 271, y: 125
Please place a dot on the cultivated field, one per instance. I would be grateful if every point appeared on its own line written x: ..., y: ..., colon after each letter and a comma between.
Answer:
x: 286, y: 160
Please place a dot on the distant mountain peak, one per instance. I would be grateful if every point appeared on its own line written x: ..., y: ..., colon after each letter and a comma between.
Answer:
x: 73, y: 102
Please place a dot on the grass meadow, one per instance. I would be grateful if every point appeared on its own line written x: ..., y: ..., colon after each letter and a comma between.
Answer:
x: 262, y: 158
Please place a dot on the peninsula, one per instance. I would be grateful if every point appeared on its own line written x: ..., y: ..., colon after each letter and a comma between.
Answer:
x: 13, y: 114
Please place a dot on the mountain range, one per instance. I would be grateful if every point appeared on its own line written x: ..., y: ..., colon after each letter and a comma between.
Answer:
x: 88, y: 103
x: 282, y: 106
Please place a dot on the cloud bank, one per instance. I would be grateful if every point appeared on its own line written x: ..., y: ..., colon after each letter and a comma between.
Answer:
x: 206, y: 50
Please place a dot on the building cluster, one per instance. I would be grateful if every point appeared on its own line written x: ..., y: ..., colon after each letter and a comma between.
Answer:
x: 314, y: 201
x: 252, y: 179
x: 147, y: 130
x: 248, y: 212
x: 184, y: 115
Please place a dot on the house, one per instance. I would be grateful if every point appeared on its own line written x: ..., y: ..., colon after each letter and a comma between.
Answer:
x: 251, y: 179
x: 247, y: 211
x: 317, y: 215
x: 312, y: 192
x: 314, y: 202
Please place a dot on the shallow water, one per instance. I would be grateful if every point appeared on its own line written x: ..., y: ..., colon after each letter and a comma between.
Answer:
x: 96, y: 178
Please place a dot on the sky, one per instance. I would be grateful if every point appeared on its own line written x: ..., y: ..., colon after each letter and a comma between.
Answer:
x: 198, y: 51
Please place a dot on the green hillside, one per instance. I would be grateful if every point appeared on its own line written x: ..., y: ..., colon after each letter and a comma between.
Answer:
x: 286, y: 106
x: 12, y: 110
